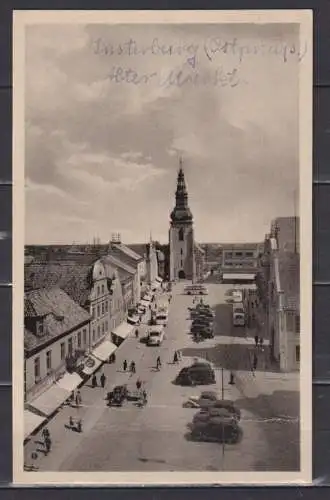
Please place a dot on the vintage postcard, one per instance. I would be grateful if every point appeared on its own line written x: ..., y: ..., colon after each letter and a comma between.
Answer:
x: 162, y: 247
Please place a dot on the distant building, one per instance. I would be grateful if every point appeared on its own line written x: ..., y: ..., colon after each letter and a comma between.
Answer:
x: 199, y: 261
x: 129, y: 279
x: 240, y: 257
x: 57, y: 329
x: 161, y: 263
x: 151, y: 263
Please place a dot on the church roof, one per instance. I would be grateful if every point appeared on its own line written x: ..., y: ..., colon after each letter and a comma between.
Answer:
x: 181, y: 211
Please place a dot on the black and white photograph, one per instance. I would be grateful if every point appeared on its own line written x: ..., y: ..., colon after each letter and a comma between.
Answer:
x: 162, y: 247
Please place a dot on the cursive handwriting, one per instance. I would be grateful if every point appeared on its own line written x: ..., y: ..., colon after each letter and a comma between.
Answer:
x: 177, y: 78
x: 210, y: 48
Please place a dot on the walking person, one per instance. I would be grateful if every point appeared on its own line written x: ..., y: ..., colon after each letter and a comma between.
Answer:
x: 261, y: 342
x: 78, y: 398
x: 94, y: 381
x: 175, y: 357
x: 158, y: 363
x: 48, y: 444
x: 103, y: 379
x: 45, y: 434
x: 137, y: 333
x: 138, y: 384
x: 132, y: 367
x: 256, y: 340
x: 255, y: 362
x: 125, y: 365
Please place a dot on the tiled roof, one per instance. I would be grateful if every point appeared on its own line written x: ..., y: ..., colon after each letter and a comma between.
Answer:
x: 139, y: 249
x: 289, y: 274
x: 127, y: 251
x: 119, y: 264
x: 60, y: 314
x: 74, y: 278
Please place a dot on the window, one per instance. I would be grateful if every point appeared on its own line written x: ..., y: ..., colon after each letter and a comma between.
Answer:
x: 297, y: 325
x: 238, y: 254
x: 102, y: 328
x: 298, y: 353
x: 40, y: 328
x: 102, y: 307
x: 102, y: 289
x: 49, y: 361
x: 70, y: 347
x: 249, y: 254
x: 79, y: 340
x: 93, y: 335
x: 181, y: 251
x: 98, y: 291
x: 106, y: 306
x: 93, y: 312
x: 62, y: 351
x: 37, y: 369
x: 181, y: 234
x: 106, y: 326
x: 98, y: 311
x: 84, y: 336
x: 98, y: 332
x: 181, y: 263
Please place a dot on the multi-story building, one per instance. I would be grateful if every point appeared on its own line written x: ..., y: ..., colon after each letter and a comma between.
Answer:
x: 240, y: 257
x: 151, y: 263
x: 57, y: 330
x: 129, y: 279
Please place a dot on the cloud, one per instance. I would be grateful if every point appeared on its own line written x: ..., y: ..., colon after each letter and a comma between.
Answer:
x: 107, y: 153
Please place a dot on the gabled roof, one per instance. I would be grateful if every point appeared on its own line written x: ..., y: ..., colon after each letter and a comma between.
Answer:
x: 127, y: 251
x: 117, y: 263
x: 60, y: 314
x: 75, y: 279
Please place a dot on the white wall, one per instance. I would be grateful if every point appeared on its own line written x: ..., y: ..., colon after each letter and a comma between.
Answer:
x: 187, y: 251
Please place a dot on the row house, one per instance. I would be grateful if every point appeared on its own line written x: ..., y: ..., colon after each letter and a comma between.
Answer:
x: 56, y: 329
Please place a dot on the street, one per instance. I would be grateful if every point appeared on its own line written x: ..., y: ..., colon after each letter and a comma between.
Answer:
x: 155, y: 438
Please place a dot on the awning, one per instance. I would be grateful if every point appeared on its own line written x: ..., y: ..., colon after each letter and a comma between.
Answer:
x: 155, y: 284
x: 123, y: 330
x: 70, y: 381
x: 104, y: 350
x: 159, y: 279
x: 31, y: 422
x: 50, y: 400
x: 238, y: 277
x: 91, y: 365
x: 144, y: 303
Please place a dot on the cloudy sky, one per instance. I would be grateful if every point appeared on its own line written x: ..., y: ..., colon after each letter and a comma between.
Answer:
x: 102, y: 148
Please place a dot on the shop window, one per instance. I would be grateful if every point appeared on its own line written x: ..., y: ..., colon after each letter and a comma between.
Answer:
x: 37, y: 369
x: 49, y: 361
x: 62, y: 351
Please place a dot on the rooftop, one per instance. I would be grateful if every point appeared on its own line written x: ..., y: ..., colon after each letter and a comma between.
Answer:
x: 126, y: 250
x: 59, y: 312
x: 73, y: 278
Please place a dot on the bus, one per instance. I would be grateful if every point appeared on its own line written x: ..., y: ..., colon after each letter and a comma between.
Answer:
x: 156, y: 335
x: 195, y: 290
x: 162, y: 317
x: 238, y: 314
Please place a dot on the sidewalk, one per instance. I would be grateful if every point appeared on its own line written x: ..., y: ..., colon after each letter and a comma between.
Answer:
x: 92, y: 406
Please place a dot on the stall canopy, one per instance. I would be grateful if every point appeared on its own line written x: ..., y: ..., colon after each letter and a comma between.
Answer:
x: 91, y: 365
x: 144, y: 303
x: 31, y: 422
x: 238, y: 277
x: 104, y: 350
x: 50, y: 400
x: 123, y: 330
x: 69, y: 381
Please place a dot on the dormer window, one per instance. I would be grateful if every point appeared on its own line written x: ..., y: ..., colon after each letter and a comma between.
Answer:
x: 40, y: 329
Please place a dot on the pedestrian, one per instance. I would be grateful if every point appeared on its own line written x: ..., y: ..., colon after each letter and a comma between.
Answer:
x: 138, y: 384
x: 45, y: 434
x: 158, y: 363
x: 261, y: 342
x: 256, y: 339
x: 48, y: 444
x: 175, y: 357
x: 132, y: 367
x: 255, y: 362
x: 137, y: 333
x: 78, y: 398
x: 94, y: 381
x: 103, y: 379
x: 125, y: 365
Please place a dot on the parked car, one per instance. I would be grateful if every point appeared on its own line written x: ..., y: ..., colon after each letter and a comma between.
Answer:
x: 117, y: 396
x: 133, y: 320
x: 203, y: 330
x: 221, y: 426
x: 209, y: 401
x: 196, y: 374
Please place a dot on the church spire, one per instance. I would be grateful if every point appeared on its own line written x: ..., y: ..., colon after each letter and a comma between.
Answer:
x: 181, y: 212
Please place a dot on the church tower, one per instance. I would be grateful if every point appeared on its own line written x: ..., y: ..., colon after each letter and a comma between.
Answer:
x: 181, y: 234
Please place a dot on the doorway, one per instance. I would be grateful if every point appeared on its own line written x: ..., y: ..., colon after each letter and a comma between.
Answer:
x: 182, y: 275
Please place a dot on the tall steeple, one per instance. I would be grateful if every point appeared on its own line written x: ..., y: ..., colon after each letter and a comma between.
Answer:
x: 181, y: 212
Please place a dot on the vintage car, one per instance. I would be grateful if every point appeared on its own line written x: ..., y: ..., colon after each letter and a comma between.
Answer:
x: 209, y: 401
x: 197, y: 374
x: 216, y: 426
x: 117, y: 396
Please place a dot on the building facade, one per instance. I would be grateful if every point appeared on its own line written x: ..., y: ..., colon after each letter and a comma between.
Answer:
x: 240, y: 257
x: 57, y: 330
x: 181, y: 235
x: 151, y: 263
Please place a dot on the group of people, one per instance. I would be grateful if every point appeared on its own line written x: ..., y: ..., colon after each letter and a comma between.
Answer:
x: 47, y: 440
x: 103, y: 380
x: 76, y: 398
x: 132, y: 366
x: 259, y: 341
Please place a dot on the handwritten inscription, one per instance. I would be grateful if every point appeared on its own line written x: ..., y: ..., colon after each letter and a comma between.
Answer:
x: 209, y: 49
x: 176, y: 78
